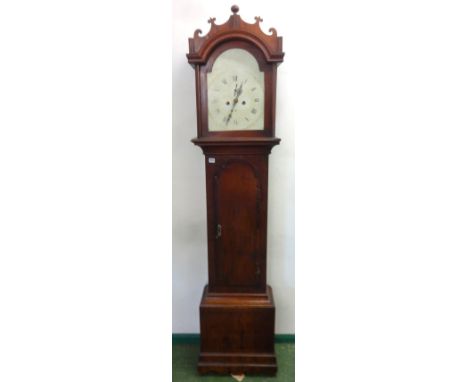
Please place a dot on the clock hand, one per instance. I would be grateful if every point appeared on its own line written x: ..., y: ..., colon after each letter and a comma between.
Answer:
x: 237, y: 93
x: 234, y: 103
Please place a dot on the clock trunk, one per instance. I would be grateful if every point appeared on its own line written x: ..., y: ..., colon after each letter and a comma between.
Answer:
x: 237, y: 192
x: 237, y: 311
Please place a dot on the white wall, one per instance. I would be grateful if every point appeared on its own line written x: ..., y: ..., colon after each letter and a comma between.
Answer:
x: 189, y: 248
x: 84, y: 185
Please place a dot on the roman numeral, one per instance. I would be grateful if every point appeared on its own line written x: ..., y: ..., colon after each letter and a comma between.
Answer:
x: 253, y: 111
x: 257, y: 99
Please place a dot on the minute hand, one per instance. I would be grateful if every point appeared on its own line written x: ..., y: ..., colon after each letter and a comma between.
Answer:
x: 237, y: 92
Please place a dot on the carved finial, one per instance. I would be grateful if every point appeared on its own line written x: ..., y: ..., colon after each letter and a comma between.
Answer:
x: 235, y: 9
x: 258, y: 19
x: 211, y: 20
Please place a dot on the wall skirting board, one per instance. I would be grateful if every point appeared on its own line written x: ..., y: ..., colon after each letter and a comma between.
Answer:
x: 192, y: 338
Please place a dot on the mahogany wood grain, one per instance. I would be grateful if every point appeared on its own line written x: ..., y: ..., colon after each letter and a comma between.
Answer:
x: 237, y: 311
x: 237, y: 333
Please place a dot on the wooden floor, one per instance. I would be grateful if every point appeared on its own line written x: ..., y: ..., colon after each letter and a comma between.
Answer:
x: 184, y: 365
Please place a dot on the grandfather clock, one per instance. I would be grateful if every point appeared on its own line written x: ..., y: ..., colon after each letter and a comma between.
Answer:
x: 235, y: 70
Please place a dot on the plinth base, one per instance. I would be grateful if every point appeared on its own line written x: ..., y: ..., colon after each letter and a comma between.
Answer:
x: 237, y: 333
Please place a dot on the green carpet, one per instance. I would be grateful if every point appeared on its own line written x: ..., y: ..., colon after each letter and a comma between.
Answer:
x: 184, y: 365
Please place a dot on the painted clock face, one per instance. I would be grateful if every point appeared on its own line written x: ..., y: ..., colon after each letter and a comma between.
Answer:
x: 236, y: 92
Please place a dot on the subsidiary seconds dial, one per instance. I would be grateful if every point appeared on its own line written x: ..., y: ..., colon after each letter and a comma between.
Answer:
x: 235, y: 93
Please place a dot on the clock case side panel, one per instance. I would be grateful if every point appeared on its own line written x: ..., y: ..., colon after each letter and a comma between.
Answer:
x: 269, y: 70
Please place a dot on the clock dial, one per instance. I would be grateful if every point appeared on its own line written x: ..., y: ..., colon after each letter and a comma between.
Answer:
x: 235, y: 92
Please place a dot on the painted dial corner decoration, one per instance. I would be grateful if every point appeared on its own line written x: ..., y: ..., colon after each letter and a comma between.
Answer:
x: 235, y: 92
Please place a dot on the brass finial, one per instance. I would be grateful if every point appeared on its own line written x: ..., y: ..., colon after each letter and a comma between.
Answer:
x: 235, y: 9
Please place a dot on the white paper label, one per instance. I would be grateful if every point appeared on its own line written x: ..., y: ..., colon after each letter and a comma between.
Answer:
x: 211, y: 160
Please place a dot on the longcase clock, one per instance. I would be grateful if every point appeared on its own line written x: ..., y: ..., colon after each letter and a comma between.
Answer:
x: 235, y: 69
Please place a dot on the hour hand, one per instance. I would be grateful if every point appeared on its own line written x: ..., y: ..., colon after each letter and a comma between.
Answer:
x: 239, y: 91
